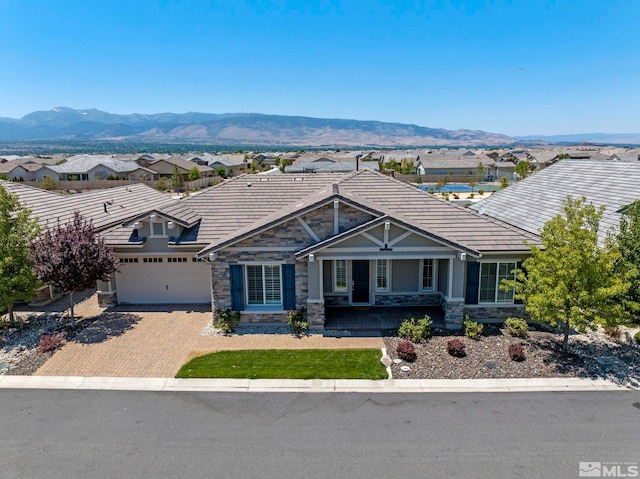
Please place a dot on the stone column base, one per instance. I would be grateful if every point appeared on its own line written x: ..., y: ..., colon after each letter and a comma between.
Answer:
x: 315, y: 315
x: 453, y: 314
x: 107, y: 300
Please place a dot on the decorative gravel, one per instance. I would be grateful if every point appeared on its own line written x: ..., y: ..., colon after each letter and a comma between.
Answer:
x: 18, y: 346
x: 591, y: 355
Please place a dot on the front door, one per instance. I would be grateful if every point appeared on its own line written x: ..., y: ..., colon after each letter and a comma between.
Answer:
x: 360, y: 282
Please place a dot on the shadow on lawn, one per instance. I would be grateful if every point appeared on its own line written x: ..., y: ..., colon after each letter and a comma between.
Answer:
x: 106, y: 326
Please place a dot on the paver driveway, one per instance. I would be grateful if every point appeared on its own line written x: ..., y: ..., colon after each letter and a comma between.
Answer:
x: 155, y: 341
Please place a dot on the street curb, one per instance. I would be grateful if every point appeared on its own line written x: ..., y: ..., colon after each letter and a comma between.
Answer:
x: 310, y: 385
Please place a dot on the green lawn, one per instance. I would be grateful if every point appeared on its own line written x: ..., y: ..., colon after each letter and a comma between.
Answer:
x: 287, y: 364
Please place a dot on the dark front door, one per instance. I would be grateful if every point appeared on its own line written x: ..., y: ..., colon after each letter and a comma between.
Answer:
x: 360, y: 281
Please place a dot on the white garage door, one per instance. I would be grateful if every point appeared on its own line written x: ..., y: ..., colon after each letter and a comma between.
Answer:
x: 163, y: 280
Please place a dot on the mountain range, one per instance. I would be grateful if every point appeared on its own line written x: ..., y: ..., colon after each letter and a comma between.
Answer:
x: 63, y: 123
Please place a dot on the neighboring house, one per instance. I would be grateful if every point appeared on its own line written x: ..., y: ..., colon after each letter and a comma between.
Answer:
x: 266, y: 245
x: 92, y: 167
x: 531, y: 202
x: 231, y: 165
x: 25, y: 171
x: 105, y: 208
x: 165, y: 167
x: 142, y: 173
x: 443, y: 164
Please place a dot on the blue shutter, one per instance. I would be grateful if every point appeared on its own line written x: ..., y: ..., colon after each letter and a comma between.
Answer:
x: 237, y: 289
x: 473, y: 282
x: 289, y: 286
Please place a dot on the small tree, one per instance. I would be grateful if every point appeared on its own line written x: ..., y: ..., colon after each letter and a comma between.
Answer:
x: 194, y: 174
x: 572, y: 281
x: 523, y: 168
x: 72, y: 257
x: 49, y: 183
x: 161, y: 185
x: 628, y: 241
x: 504, y: 182
x: 177, y: 181
x: 480, y: 172
x: 221, y: 171
x: 17, y: 230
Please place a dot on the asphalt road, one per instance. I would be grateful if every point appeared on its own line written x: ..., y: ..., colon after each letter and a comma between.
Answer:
x: 122, y: 434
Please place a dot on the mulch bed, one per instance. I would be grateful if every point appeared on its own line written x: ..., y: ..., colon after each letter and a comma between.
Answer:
x: 488, y: 357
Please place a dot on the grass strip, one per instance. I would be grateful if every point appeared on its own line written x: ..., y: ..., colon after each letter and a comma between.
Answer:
x: 287, y: 364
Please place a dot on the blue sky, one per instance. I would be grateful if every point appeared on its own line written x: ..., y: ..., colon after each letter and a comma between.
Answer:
x: 514, y: 67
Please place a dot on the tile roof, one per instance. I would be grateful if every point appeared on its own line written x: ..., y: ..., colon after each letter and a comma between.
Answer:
x: 106, y: 207
x: 242, y: 206
x: 530, y: 203
x: 84, y: 163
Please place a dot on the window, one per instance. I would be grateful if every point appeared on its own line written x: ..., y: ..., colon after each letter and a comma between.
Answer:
x: 491, y: 275
x: 263, y: 285
x: 426, y: 275
x: 128, y: 260
x: 382, y: 275
x: 340, y: 275
x: 177, y: 260
x: 152, y: 260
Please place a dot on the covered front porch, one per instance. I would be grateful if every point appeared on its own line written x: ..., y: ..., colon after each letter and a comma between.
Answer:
x: 381, y: 318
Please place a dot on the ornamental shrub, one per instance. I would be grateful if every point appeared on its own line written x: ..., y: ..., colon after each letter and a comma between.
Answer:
x: 227, y: 320
x: 415, y: 330
x: 472, y: 329
x: 50, y: 342
x: 516, y: 352
x: 637, y: 337
x: 517, y: 327
x: 296, y: 319
x: 456, y: 347
x: 406, y: 351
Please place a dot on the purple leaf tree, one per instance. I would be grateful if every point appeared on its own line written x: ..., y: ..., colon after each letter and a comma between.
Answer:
x: 72, y: 257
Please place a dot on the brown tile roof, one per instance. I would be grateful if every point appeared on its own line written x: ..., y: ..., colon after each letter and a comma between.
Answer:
x: 247, y: 204
x: 106, y: 207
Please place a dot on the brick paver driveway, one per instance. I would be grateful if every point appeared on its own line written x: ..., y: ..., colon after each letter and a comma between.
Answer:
x: 155, y: 341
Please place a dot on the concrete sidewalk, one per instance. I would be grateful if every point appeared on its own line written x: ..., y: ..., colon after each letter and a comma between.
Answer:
x: 308, y: 386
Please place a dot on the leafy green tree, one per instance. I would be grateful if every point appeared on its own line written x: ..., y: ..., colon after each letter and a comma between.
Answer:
x: 523, y: 168
x: 221, y: 171
x: 17, y: 230
x: 194, y: 174
x: 628, y: 241
x: 480, y: 174
x: 177, y: 181
x: 49, y: 183
x: 571, y: 282
x: 504, y: 182
x: 72, y: 257
x: 161, y: 185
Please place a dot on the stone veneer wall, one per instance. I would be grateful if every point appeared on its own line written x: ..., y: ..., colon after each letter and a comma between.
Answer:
x: 496, y: 314
x: 107, y: 300
x: 289, y: 235
x: 336, y: 300
x: 453, y: 314
x: 416, y: 299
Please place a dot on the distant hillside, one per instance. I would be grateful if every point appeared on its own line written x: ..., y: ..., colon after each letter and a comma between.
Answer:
x: 597, y: 138
x: 234, y: 129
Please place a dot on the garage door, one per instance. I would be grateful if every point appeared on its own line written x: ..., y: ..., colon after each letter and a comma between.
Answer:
x: 163, y: 280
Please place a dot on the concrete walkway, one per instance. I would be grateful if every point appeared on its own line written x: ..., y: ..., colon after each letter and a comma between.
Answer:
x: 155, y: 341
x: 309, y: 386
